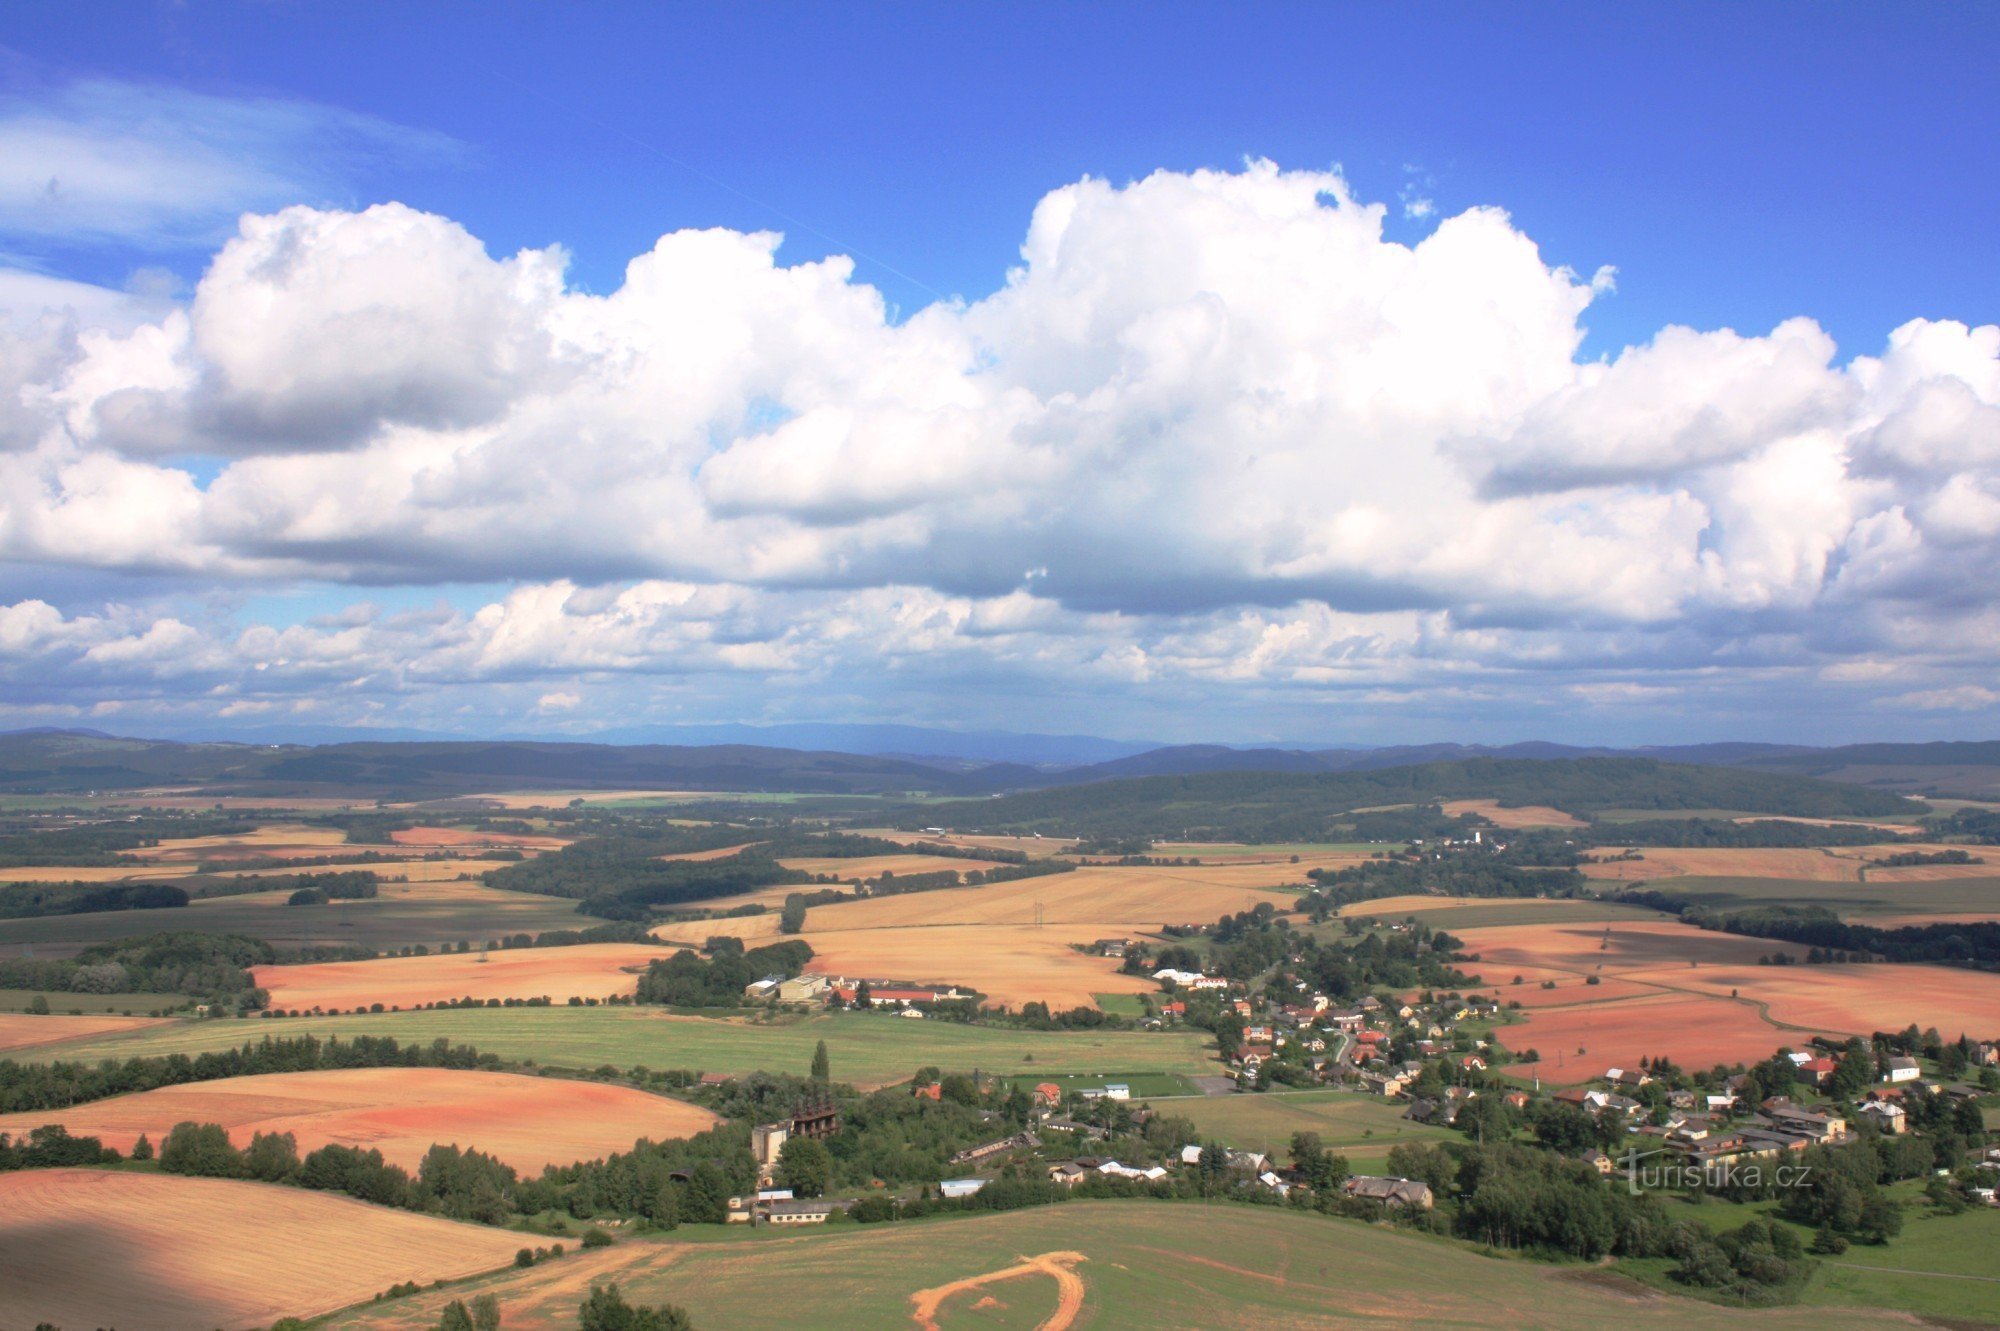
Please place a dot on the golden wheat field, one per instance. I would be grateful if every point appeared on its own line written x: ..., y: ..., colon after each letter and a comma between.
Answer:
x: 155, y: 1252
x: 874, y: 866
x: 592, y: 970
x: 528, y: 1122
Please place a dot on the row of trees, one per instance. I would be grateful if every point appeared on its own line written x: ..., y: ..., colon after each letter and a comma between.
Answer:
x: 26, y: 1087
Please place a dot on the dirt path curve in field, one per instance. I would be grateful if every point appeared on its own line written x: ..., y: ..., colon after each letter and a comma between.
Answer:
x: 1061, y: 1265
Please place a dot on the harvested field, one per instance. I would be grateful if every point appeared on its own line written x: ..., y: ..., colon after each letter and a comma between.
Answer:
x: 1894, y: 829
x: 412, y: 869
x: 84, y: 1248
x: 874, y: 866
x: 1459, y: 913
x: 1159, y: 1266
x: 986, y: 937
x: 95, y: 873
x: 528, y: 1122
x: 451, y: 838
x: 19, y: 1031
x: 1009, y: 964
x: 1130, y: 898
x: 1806, y: 863
x: 1033, y: 847
x: 593, y: 970
x: 1526, y: 815
x: 439, y: 871
x: 516, y: 800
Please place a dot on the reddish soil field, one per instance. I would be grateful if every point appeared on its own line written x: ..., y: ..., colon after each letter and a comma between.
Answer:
x: 593, y: 970
x: 20, y: 1031
x: 1609, y: 949
x: 1577, y: 1044
x: 1701, y: 998
x: 83, y: 1248
x: 1863, y: 999
x: 528, y: 1122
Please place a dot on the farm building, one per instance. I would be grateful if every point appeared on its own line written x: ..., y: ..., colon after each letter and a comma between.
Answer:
x: 1390, y: 1191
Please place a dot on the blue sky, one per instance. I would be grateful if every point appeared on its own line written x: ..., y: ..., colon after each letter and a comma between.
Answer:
x: 1739, y: 164
x: 1735, y: 166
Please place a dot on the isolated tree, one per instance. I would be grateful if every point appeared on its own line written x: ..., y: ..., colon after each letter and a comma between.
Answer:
x: 822, y: 1068
x: 38, y: 1006
x: 805, y: 1165
x: 863, y: 995
x: 793, y: 917
x: 456, y: 1317
x: 486, y: 1313
x: 143, y: 1148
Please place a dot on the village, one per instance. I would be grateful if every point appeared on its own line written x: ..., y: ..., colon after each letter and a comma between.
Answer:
x: 1435, y: 1056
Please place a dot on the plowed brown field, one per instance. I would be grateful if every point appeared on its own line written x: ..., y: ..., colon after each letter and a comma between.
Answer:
x: 528, y: 1122
x: 153, y: 1252
x: 1700, y: 997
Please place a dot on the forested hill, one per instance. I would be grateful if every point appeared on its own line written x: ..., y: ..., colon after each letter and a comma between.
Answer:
x: 1287, y: 806
x: 73, y: 761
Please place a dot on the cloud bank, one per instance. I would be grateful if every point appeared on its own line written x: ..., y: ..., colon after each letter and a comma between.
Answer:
x: 1216, y: 443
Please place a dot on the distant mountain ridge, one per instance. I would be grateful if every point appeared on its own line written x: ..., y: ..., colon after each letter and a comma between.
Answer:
x: 45, y: 759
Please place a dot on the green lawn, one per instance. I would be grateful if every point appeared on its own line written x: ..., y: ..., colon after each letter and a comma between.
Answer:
x: 1143, y: 1084
x: 1946, y: 896
x: 1121, y: 1005
x: 1939, y: 1267
x: 61, y: 1001
x: 865, y: 1048
x: 1154, y: 1266
x: 1362, y: 1127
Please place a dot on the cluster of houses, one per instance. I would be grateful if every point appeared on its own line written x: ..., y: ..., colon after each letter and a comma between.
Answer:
x: 1714, y: 1131
x: 1353, y: 1045
x: 813, y: 990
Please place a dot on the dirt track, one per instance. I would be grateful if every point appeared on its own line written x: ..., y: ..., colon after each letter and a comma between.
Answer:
x: 1061, y: 1265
